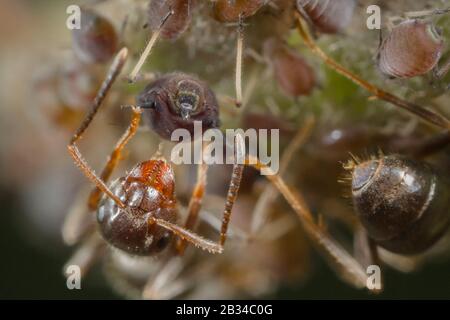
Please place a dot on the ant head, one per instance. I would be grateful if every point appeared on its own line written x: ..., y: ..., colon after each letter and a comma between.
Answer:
x: 148, y: 191
x: 177, y: 100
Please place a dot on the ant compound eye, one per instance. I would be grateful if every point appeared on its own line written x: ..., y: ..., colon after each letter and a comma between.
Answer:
x: 363, y: 173
x: 96, y: 41
x: 400, y: 202
x: 413, y: 48
x: 175, y: 101
x: 328, y: 16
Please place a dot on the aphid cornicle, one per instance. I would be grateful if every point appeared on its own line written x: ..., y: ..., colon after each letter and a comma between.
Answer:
x: 175, y: 101
x: 328, y: 16
x: 413, y: 48
x: 402, y: 203
x: 148, y: 191
x: 96, y: 41
x: 294, y: 76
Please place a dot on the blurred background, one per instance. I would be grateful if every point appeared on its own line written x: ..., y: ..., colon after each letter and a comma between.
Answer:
x: 38, y: 182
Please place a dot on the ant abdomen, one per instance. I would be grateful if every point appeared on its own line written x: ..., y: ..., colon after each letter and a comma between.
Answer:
x: 147, y: 192
x: 96, y: 41
x: 403, y: 203
x: 175, y: 101
x: 413, y: 48
x: 328, y: 16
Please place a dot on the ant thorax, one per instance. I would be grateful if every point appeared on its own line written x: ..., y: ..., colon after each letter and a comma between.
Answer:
x: 147, y: 192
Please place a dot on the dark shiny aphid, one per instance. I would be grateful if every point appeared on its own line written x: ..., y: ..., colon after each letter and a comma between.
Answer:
x: 294, y: 76
x: 147, y: 191
x: 96, y: 41
x: 328, y: 16
x: 232, y: 11
x: 402, y: 203
x: 175, y: 101
x: 177, y: 23
x: 413, y: 48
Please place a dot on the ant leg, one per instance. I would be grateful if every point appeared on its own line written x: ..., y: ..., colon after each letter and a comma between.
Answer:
x: 114, y: 158
x: 187, y: 235
x: 365, y: 251
x: 235, y: 183
x: 78, y: 221
x: 114, y: 71
x: 421, y: 112
x: 269, y: 194
x: 339, y: 259
x: 91, y: 250
x: 195, y: 202
x: 148, y: 49
x: 239, y: 50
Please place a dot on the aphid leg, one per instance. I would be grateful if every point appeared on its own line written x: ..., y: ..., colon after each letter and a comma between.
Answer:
x: 269, y: 194
x: 184, y: 234
x: 148, y: 49
x: 239, y: 50
x: 195, y: 202
x: 115, y: 155
x: 421, y: 112
x: 442, y: 71
x: 366, y: 251
x: 339, y: 259
x: 114, y: 71
x: 425, y: 13
x: 91, y: 250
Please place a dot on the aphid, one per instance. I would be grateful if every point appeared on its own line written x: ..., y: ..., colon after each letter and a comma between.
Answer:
x: 401, y: 202
x: 233, y: 11
x: 177, y: 100
x: 96, y: 41
x: 178, y: 21
x: 168, y: 19
x: 327, y: 16
x: 294, y: 76
x: 418, y: 110
x: 413, y: 48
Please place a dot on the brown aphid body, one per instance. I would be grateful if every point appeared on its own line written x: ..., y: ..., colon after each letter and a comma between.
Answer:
x: 413, y: 48
x: 328, y: 16
x: 402, y: 203
x: 234, y: 10
x: 147, y: 191
x: 176, y: 23
x: 293, y: 74
x: 175, y: 101
x: 96, y: 41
